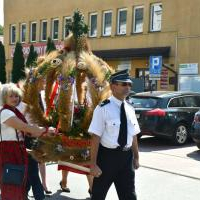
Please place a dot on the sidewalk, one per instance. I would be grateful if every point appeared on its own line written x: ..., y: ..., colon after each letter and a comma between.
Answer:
x: 183, y: 163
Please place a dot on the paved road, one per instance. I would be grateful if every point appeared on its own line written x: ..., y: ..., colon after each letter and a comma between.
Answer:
x: 161, y: 155
x: 167, y: 173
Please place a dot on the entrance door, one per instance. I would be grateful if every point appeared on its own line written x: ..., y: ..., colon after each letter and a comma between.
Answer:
x: 143, y: 73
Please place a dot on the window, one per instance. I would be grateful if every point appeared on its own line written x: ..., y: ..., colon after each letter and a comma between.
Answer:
x: 23, y: 33
x: 124, y: 65
x: 192, y: 101
x: 33, y: 31
x: 174, y: 103
x: 93, y: 25
x: 107, y: 23
x: 65, y: 31
x: 156, y: 17
x: 138, y: 19
x: 177, y: 102
x: 55, y: 25
x: 121, y: 21
x: 43, y: 30
x: 12, y: 34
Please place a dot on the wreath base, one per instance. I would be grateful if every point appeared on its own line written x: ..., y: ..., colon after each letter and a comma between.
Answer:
x: 62, y: 148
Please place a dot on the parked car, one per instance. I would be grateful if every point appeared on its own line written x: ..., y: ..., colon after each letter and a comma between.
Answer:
x: 166, y: 114
x: 195, y: 133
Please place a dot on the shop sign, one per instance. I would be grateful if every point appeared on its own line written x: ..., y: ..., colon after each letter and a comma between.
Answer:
x: 164, y: 79
x: 188, y: 68
x: 40, y: 48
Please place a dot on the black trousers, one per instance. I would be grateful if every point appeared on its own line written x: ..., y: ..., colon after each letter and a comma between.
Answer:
x: 34, y: 179
x: 117, y: 167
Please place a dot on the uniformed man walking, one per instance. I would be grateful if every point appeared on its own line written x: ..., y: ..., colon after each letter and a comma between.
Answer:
x: 114, y: 149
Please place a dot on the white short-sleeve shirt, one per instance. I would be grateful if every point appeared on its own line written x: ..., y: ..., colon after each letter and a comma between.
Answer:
x: 106, y: 123
x: 8, y: 133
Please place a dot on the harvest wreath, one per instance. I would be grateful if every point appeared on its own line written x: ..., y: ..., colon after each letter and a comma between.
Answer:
x: 76, y: 81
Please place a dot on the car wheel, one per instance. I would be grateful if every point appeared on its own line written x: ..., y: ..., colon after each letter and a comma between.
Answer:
x: 180, y: 135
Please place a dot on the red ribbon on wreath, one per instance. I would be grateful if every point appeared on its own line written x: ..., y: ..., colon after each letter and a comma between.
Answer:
x: 53, y: 94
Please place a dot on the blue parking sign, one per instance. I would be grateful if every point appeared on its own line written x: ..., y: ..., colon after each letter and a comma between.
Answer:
x: 155, y: 65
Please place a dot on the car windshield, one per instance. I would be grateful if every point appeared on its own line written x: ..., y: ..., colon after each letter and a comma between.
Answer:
x: 141, y: 102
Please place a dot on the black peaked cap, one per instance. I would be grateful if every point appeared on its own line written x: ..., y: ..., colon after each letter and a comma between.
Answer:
x: 121, y: 76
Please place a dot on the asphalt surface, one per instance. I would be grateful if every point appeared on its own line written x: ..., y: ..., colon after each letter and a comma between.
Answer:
x: 167, y: 172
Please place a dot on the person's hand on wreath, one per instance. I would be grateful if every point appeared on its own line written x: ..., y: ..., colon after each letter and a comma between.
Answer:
x: 95, y: 170
x: 49, y: 131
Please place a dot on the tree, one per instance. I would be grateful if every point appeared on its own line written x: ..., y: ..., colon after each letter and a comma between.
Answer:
x: 2, y: 64
x: 1, y: 30
x: 50, y: 45
x: 32, y: 56
x: 18, y: 71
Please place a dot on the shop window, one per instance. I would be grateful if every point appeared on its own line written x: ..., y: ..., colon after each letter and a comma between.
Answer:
x: 65, y: 31
x: 138, y: 19
x: 55, y: 28
x: 143, y: 74
x: 12, y: 34
x: 93, y: 25
x: 156, y: 17
x: 43, y: 30
x: 121, y: 21
x: 23, y: 33
x: 33, y: 32
x: 107, y: 23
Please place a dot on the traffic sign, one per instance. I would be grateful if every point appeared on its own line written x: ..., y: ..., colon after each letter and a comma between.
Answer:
x: 155, y: 67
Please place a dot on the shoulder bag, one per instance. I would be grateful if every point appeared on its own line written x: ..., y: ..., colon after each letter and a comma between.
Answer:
x: 13, y: 173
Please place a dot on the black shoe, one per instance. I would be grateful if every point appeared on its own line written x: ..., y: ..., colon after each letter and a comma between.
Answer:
x: 47, y: 191
x: 90, y: 192
x: 64, y: 189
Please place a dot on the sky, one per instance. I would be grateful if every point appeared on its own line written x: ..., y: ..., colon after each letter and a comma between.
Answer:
x: 1, y: 12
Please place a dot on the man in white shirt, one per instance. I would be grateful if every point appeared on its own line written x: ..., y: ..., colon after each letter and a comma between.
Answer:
x: 114, y: 149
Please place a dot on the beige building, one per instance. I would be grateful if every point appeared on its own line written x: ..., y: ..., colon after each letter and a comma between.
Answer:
x: 124, y: 33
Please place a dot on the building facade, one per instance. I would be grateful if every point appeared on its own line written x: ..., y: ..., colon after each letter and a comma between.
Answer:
x: 124, y: 33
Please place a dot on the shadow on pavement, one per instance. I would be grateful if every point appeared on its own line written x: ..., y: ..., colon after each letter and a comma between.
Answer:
x: 194, y: 155
x: 58, y: 196
x: 149, y: 143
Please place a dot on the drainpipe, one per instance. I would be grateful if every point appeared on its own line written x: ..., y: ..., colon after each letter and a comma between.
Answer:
x: 176, y: 87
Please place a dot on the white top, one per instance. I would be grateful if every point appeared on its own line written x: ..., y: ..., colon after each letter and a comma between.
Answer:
x: 106, y: 123
x: 42, y: 93
x: 8, y: 133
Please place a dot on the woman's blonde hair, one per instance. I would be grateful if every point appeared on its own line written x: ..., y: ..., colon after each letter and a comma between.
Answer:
x: 9, y: 88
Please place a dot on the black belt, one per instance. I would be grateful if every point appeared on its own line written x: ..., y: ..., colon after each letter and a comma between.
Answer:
x: 123, y: 148
x: 117, y: 148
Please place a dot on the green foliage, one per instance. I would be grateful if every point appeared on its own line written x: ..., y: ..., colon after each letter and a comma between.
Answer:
x: 2, y: 64
x: 1, y: 30
x: 18, y: 71
x: 43, y: 69
x: 77, y: 25
x: 32, y: 57
x: 50, y: 45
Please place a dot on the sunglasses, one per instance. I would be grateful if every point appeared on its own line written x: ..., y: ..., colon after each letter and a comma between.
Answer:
x: 124, y: 84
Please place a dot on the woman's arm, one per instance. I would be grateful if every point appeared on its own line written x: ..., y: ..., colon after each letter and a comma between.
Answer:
x: 35, y: 131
